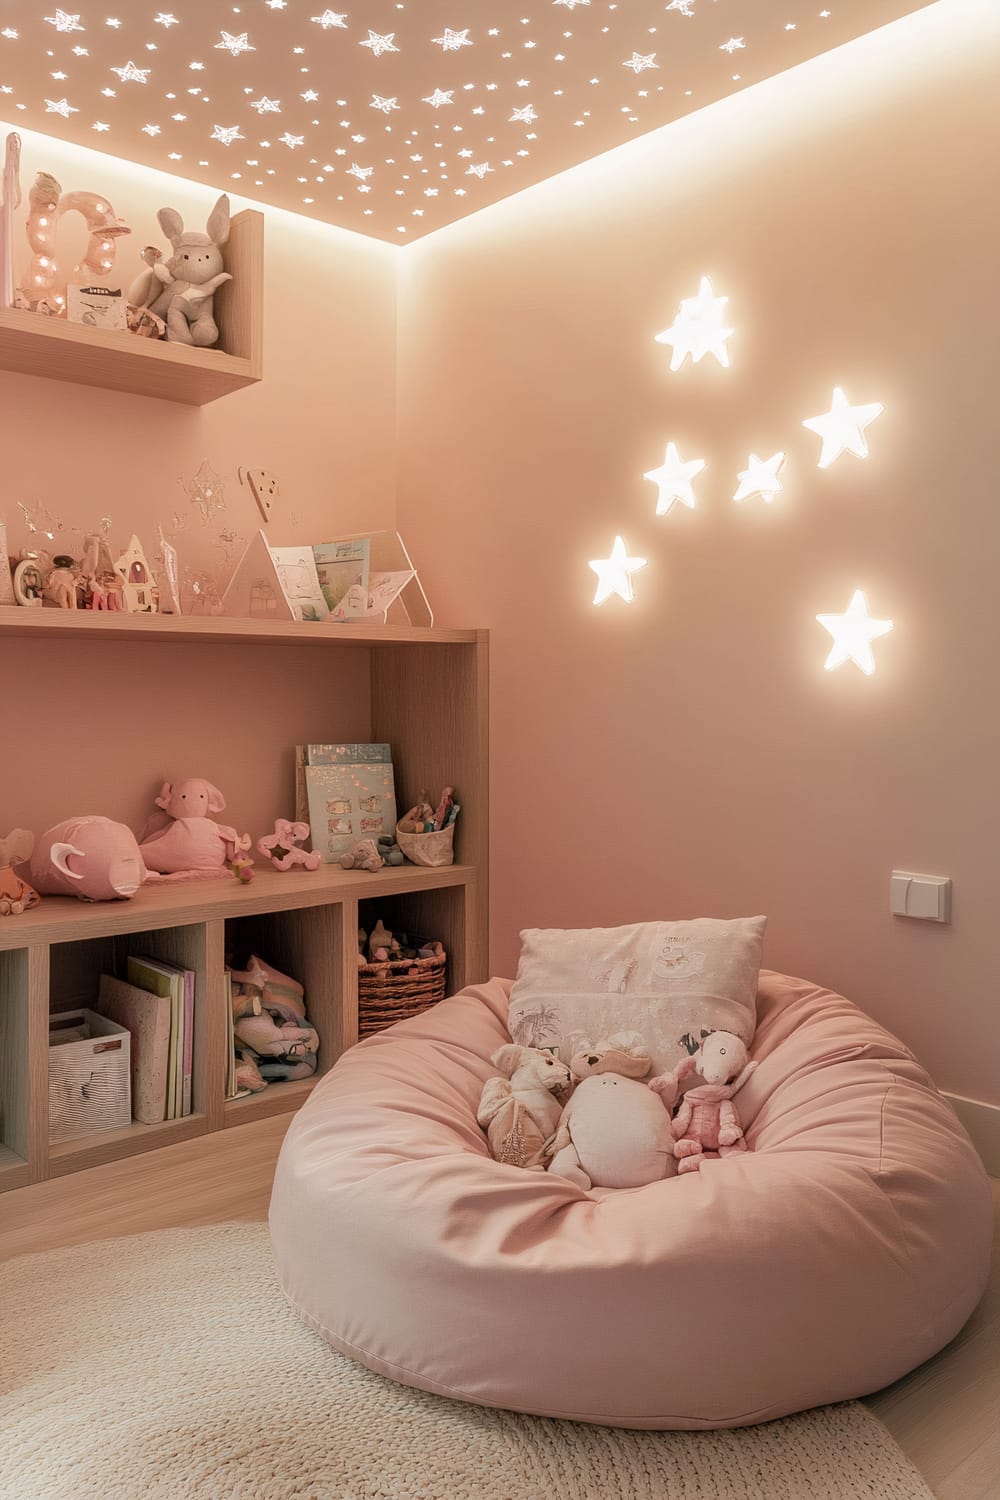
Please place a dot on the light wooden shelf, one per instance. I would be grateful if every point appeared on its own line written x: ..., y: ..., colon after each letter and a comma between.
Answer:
x: 64, y: 919
x: 276, y: 1099
x: 31, y: 344
x: 14, y: 1170
x: 96, y: 625
x: 112, y: 1145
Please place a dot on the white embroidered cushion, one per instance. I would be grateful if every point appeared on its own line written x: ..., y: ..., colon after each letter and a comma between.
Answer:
x: 667, y: 980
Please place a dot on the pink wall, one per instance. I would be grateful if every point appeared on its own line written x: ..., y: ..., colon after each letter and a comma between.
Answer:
x: 115, y: 719
x: 688, y: 754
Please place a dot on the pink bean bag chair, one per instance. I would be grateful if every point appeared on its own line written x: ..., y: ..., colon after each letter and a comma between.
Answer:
x: 847, y: 1245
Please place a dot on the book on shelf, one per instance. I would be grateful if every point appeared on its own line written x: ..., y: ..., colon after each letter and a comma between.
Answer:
x: 147, y: 1019
x: 347, y: 754
x: 349, y: 801
x: 176, y: 985
x: 342, y: 570
x: 233, y: 1089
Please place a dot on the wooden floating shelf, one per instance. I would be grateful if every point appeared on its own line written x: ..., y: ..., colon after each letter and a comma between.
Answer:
x: 31, y: 344
x: 65, y: 919
x: 276, y: 1099
x: 111, y: 1145
x: 85, y: 624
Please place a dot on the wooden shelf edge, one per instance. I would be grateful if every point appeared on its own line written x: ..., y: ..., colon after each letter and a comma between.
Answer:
x: 112, y: 1145
x: 91, y: 625
x: 276, y: 1099
x: 14, y: 1170
x: 63, y: 919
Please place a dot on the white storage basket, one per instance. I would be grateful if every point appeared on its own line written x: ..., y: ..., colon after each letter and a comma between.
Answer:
x: 90, y: 1083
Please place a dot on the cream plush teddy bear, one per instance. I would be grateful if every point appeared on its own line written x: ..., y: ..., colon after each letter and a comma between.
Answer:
x: 520, y: 1110
x: 608, y: 1135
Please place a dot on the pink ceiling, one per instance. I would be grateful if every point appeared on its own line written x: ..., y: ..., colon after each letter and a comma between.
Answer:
x: 393, y: 118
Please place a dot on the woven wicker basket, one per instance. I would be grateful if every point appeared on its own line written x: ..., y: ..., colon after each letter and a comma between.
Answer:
x: 436, y: 848
x: 398, y: 989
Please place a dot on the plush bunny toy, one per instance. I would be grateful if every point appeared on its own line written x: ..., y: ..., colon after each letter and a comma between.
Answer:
x: 181, y: 290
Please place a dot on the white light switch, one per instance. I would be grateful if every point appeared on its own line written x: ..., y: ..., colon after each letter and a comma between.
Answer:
x: 925, y: 896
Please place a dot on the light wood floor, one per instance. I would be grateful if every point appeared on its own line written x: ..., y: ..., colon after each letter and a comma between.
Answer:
x: 945, y: 1415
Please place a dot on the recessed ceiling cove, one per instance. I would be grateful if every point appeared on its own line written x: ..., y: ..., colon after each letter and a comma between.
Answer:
x: 387, y: 117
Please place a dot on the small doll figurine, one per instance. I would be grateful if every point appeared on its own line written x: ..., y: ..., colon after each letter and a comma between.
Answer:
x: 60, y: 586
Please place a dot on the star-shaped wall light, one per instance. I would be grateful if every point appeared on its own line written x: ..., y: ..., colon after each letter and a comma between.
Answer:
x: 699, y: 328
x: 673, y: 480
x: 760, y: 477
x: 842, y: 428
x: 614, y: 573
x: 853, y: 633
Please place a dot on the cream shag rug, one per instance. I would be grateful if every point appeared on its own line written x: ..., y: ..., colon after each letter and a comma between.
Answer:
x: 168, y: 1365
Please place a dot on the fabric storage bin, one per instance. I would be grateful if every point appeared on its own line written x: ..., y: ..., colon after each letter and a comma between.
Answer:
x: 90, y: 1083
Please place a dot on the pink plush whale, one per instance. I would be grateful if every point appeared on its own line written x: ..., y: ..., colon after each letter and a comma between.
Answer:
x: 89, y: 857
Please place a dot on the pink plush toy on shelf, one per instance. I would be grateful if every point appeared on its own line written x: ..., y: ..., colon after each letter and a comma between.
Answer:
x: 182, y: 842
x: 93, y: 858
x: 707, y: 1124
x: 280, y: 847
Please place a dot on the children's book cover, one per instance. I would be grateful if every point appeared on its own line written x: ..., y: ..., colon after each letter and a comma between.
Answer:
x: 348, y: 803
x: 342, y: 568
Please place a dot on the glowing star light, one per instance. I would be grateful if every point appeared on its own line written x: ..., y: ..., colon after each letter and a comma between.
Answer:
x: 842, y: 428
x: 62, y: 22
x: 131, y: 74
x: 380, y: 44
x: 60, y: 107
x: 165, y: 19
x: 329, y: 18
x: 523, y: 116
x: 385, y: 105
x: 760, y: 477
x: 359, y: 172
x: 452, y: 40
x: 234, y: 44
x: 266, y: 106
x: 227, y: 134
x: 853, y: 633
x: 639, y: 62
x: 614, y: 573
x: 439, y: 97
x: 291, y: 141
x: 698, y: 329
x: 673, y: 479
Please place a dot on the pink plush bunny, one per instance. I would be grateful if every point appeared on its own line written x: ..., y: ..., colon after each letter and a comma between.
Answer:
x: 707, y: 1125
x: 182, y: 840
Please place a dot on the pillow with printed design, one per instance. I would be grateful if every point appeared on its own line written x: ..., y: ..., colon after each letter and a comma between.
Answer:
x: 672, y: 982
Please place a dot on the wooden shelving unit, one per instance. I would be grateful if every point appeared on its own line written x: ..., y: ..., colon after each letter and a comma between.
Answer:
x: 428, y: 697
x: 31, y: 344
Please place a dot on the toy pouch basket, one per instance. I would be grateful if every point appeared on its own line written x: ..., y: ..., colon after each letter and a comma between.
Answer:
x: 436, y: 848
x: 398, y: 989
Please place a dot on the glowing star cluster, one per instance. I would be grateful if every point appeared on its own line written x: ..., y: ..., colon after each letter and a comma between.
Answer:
x: 614, y: 573
x: 760, y: 477
x: 673, y: 480
x: 699, y: 328
x: 853, y: 633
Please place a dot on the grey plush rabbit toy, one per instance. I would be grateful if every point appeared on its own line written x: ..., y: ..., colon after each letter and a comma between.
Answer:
x: 181, y: 290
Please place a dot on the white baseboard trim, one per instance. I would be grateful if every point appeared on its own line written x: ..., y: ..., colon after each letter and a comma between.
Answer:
x: 982, y: 1121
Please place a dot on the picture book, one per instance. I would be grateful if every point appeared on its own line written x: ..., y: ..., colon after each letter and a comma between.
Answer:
x: 348, y: 803
x: 296, y: 569
x: 342, y: 568
x: 168, y: 981
x: 147, y: 1019
x: 331, y: 755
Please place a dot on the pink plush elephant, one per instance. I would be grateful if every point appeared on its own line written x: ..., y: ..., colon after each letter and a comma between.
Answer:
x: 182, y: 839
x: 91, y: 857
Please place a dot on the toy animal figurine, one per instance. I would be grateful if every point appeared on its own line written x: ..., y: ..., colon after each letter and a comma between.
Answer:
x: 520, y: 1110
x: 181, y: 841
x: 16, y: 895
x: 90, y: 857
x: 608, y: 1135
x: 60, y: 586
x: 707, y: 1125
x: 364, y: 856
x: 182, y: 291
x: 280, y: 847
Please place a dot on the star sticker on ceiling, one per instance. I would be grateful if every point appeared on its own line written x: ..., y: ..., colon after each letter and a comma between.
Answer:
x: 291, y: 141
x: 525, y: 116
x: 151, y: 130
x: 478, y: 169
x: 165, y: 19
x: 853, y: 633
x: 842, y: 428
x: 698, y: 328
x: 235, y: 44
x: 359, y: 172
x: 385, y: 105
x: 60, y: 107
x: 380, y: 44
x: 131, y: 74
x: 683, y: 6
x: 113, y: 21
x: 329, y: 18
x: 227, y: 134
x: 735, y: 44
x: 673, y: 480
x: 439, y: 97
x: 266, y: 106
x: 62, y: 22
x: 639, y: 62
x: 276, y: 4
x: 452, y: 40
x: 760, y: 477
x: 310, y: 96
x: 100, y: 125
x: 614, y: 573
